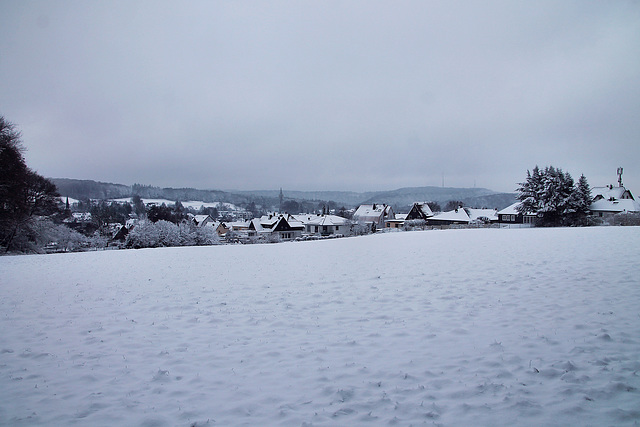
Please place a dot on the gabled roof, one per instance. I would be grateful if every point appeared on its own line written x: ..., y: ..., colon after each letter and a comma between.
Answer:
x: 610, y: 192
x: 275, y: 221
x: 510, y: 210
x: 372, y: 212
x: 200, y: 219
x: 420, y: 211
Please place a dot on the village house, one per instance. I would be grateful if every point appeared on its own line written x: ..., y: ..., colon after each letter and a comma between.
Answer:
x: 419, y: 211
x: 373, y: 215
x: 510, y: 216
x: 610, y: 200
x: 202, y: 220
x: 284, y: 227
x: 219, y: 227
x: 325, y: 225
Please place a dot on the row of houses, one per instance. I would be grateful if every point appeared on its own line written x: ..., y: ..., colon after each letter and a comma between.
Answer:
x: 381, y: 216
x: 278, y: 226
x: 607, y: 201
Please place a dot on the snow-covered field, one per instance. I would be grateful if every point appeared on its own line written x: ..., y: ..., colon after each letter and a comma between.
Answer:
x: 458, y: 328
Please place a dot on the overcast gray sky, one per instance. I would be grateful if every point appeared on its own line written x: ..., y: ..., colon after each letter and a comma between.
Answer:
x: 323, y: 95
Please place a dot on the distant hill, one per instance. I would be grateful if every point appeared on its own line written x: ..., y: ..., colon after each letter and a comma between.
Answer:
x: 400, y: 198
x: 346, y: 198
x: 87, y: 189
x: 407, y: 196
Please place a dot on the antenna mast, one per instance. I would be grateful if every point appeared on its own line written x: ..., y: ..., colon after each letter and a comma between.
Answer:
x: 620, y: 177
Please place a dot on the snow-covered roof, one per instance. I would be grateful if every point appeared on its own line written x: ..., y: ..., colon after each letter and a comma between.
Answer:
x: 401, y: 217
x: 608, y: 192
x: 510, y: 210
x: 474, y: 214
x: 237, y: 225
x: 200, y: 219
x: 622, y: 205
x: 424, y: 208
x: 321, y: 220
x: 459, y: 215
x: 272, y: 220
x: 372, y: 212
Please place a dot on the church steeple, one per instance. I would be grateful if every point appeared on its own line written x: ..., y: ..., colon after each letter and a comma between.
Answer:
x: 281, y: 199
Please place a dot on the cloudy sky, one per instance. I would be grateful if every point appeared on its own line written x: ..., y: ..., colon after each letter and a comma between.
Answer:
x: 323, y: 95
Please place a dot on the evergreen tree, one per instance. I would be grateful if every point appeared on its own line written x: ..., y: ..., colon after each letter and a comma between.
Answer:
x: 530, y: 192
x: 581, y: 202
x: 138, y: 205
x: 553, y: 195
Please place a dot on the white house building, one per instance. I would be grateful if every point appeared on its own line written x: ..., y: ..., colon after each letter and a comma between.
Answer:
x: 373, y: 215
x: 325, y: 225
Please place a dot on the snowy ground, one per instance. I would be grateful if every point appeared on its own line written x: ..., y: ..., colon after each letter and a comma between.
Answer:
x: 461, y: 327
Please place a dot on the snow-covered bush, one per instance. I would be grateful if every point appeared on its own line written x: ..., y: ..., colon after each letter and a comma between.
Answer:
x: 143, y: 235
x: 414, y: 224
x: 69, y: 240
x: 40, y: 235
x: 147, y: 234
x: 204, y: 236
x: 274, y: 238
